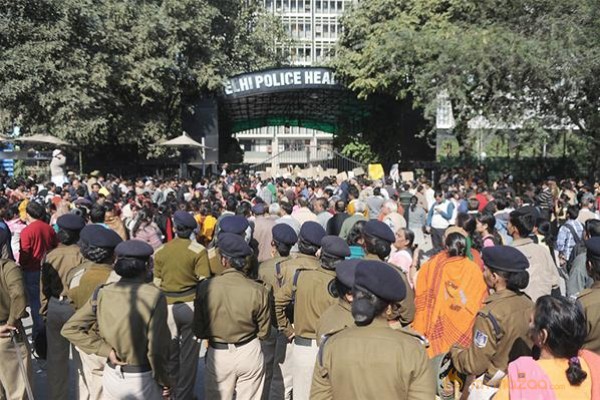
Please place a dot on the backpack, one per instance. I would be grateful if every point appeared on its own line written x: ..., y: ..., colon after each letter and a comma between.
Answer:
x: 578, y: 249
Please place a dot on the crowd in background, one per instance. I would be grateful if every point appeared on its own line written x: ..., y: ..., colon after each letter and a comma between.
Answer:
x: 440, y: 228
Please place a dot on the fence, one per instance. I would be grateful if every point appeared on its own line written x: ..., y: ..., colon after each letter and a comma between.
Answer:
x: 311, y: 156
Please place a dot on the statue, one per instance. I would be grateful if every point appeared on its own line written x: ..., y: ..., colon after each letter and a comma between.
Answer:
x: 57, y: 167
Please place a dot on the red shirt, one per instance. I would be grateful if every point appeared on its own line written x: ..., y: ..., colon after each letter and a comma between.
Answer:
x: 482, y: 201
x: 37, y: 239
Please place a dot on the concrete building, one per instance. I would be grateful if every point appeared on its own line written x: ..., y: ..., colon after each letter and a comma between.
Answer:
x: 314, y: 27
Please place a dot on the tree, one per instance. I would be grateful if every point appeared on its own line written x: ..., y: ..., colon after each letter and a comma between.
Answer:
x: 115, y: 75
x: 514, y: 62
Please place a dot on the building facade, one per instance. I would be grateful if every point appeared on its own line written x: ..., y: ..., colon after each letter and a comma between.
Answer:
x: 314, y: 27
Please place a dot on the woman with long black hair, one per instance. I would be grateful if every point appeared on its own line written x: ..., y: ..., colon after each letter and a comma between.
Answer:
x: 563, y: 370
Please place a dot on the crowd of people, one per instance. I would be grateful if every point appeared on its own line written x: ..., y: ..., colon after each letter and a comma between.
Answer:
x: 300, y: 288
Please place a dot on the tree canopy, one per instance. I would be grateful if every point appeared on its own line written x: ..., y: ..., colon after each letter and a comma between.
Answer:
x: 532, y: 65
x: 118, y: 73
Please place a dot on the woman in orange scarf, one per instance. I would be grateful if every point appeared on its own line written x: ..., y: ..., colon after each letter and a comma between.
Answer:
x: 448, y: 294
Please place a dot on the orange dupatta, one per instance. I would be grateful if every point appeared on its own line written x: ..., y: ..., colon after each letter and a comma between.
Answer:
x: 448, y: 294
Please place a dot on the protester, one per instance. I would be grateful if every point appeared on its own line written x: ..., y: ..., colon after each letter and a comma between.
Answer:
x: 449, y: 291
x: 563, y: 370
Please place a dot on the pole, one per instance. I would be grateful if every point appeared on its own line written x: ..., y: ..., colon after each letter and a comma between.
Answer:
x: 13, y: 338
x: 80, y: 163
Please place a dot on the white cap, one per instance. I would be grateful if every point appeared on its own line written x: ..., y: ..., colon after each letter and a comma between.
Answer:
x: 56, y: 152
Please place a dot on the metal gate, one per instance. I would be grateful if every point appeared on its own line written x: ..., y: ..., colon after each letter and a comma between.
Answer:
x: 311, y: 156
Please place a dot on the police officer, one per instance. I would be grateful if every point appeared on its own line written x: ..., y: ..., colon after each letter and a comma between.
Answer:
x: 309, y: 293
x: 97, y: 245
x: 233, y: 324
x: 278, y: 376
x: 126, y: 322
x: 500, y: 332
x: 178, y: 267
x: 12, y: 309
x: 590, y: 298
x: 339, y: 316
x: 309, y: 242
x: 378, y: 239
x: 399, y: 367
x: 236, y: 224
x: 56, y: 306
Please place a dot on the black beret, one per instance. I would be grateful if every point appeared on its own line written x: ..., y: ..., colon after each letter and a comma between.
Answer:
x: 259, y: 208
x: 345, y: 271
x: 504, y: 258
x: 283, y: 233
x: 99, y: 236
x: 71, y: 222
x: 380, y: 279
x: 134, y: 248
x: 593, y: 247
x: 335, y: 246
x: 312, y: 232
x: 233, y: 245
x: 379, y: 230
x: 184, y: 219
x: 234, y: 224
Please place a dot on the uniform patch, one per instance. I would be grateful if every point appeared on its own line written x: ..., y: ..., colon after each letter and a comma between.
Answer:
x: 195, y: 247
x: 480, y: 339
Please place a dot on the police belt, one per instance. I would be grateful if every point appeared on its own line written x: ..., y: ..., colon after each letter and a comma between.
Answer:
x: 130, y: 369
x: 225, y: 346
x: 302, y: 341
x: 185, y: 293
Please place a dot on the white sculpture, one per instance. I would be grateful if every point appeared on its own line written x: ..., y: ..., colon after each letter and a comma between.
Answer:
x: 57, y: 167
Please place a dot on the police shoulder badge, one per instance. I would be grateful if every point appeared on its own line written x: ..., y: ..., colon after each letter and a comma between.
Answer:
x: 480, y: 339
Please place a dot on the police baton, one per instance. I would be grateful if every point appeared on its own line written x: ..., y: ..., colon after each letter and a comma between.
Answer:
x: 13, y: 338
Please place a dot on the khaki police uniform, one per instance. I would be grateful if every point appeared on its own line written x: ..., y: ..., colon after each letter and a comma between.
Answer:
x: 12, y: 309
x: 178, y: 267
x: 214, y: 259
x: 57, y: 308
x: 500, y: 335
x: 407, y: 306
x: 402, y: 369
x: 83, y: 280
x: 128, y: 316
x: 335, y: 319
x: 274, y: 379
x: 284, y: 348
x: 310, y: 296
x: 232, y: 323
x: 590, y: 300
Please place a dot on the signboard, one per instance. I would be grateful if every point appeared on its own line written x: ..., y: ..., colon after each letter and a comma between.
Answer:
x: 279, y: 80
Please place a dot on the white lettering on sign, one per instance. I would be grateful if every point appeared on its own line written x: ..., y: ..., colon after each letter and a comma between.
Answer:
x: 308, y: 78
x: 284, y: 78
x: 259, y: 81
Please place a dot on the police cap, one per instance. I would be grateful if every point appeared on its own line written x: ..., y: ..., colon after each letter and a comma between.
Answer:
x: 335, y: 246
x: 593, y: 247
x: 379, y: 230
x: 184, y: 219
x: 259, y: 208
x: 283, y: 233
x: 235, y: 224
x: 134, y: 248
x: 70, y: 222
x: 312, y: 232
x: 504, y: 258
x: 345, y: 271
x: 380, y: 279
x: 99, y: 236
x: 232, y: 245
